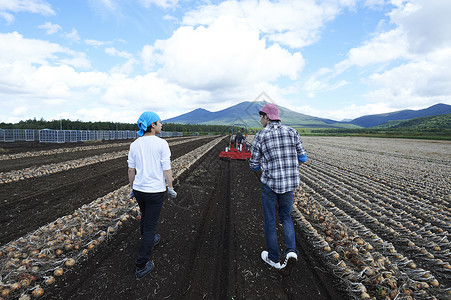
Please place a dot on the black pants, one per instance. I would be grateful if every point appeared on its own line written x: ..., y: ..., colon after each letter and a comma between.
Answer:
x: 150, y: 205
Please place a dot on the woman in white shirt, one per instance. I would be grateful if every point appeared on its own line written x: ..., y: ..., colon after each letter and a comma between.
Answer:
x: 149, y: 171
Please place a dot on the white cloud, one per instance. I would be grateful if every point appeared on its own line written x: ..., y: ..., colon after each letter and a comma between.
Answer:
x: 50, y: 28
x: 73, y: 36
x: 354, y: 111
x: 54, y: 102
x: 9, y: 18
x: 33, y: 6
x: 54, y: 88
x: 292, y: 23
x: 374, y: 3
x: 170, y: 18
x: 413, y: 59
x: 34, y: 76
x: 150, y: 57
x: 110, y: 4
x: 162, y: 3
x: 125, y: 68
x: 413, y: 26
x: 384, y: 48
x: 321, y: 82
x: 350, y: 111
x: 227, y: 53
x: 19, y: 111
x: 104, y: 7
x: 419, y: 83
x: 142, y: 92
x: 77, y: 60
x: 40, y: 75
x: 16, y: 49
x: 95, y: 43
x: 100, y: 113
x: 114, y: 52
x: 312, y: 86
x: 426, y: 24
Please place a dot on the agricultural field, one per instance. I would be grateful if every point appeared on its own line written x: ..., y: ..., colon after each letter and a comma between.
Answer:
x: 372, y: 218
x: 378, y: 211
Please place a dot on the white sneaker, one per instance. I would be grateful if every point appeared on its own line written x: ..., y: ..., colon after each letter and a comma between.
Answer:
x: 270, y: 262
x: 290, y: 261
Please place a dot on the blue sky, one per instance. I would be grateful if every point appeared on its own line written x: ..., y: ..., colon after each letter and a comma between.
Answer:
x: 109, y: 60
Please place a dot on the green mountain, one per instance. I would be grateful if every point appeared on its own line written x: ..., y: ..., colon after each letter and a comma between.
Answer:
x: 437, y: 122
x: 407, y: 114
x: 247, y: 113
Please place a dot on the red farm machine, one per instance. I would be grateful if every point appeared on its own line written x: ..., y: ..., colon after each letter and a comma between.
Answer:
x: 238, y: 148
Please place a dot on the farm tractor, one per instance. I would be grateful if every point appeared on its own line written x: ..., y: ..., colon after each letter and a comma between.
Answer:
x: 238, y: 148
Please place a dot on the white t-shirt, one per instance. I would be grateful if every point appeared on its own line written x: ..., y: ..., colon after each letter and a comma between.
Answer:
x: 149, y: 156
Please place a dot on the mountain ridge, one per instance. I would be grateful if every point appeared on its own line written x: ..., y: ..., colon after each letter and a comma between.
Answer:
x: 405, y: 114
x: 435, y: 122
x: 247, y: 113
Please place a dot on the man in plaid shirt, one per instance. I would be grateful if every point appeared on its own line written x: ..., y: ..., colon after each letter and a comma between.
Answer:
x: 277, y: 149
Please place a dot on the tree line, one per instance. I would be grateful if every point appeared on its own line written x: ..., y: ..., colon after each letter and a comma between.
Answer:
x: 65, y: 124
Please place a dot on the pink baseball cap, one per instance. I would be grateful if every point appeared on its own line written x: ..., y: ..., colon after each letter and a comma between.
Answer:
x: 271, y: 111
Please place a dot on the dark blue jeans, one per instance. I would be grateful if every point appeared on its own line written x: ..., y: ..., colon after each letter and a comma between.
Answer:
x: 285, y: 201
x: 150, y: 205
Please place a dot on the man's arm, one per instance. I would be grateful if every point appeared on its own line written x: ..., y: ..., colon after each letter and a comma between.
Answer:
x: 254, y: 161
x: 302, y: 154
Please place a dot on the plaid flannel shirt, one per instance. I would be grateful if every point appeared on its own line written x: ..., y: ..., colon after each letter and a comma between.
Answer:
x: 277, y: 147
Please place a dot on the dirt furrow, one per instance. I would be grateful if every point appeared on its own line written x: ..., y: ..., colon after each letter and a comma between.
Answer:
x: 209, y: 264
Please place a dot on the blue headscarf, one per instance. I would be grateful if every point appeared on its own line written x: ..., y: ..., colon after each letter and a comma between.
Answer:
x: 145, y: 120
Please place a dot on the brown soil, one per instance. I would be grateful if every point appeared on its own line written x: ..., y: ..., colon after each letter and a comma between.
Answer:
x: 211, y: 236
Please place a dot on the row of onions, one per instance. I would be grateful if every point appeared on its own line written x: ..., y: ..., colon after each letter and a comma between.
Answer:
x: 32, y: 263
x: 31, y: 172
x: 380, y: 238
x: 383, y: 212
x: 60, y: 151
x: 71, y: 149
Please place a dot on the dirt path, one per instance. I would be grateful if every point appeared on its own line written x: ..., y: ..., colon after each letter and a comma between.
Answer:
x: 211, y: 239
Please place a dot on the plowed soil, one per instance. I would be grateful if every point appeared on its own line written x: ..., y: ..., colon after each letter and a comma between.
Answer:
x: 211, y: 236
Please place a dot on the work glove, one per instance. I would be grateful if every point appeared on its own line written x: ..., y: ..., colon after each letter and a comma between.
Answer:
x: 172, y: 194
x: 132, y: 195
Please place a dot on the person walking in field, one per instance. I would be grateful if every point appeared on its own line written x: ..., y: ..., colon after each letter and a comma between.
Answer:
x: 149, y: 171
x: 277, y: 149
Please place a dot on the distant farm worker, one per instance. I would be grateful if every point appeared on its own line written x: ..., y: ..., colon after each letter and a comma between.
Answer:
x: 239, y: 137
x: 277, y: 149
x: 149, y: 171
